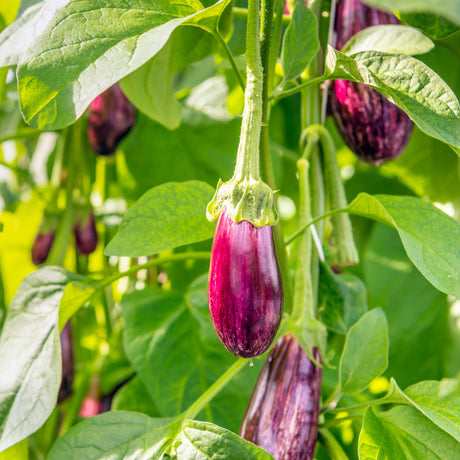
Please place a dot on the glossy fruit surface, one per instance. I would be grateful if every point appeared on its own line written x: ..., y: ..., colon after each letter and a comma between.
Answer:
x: 282, y: 414
x: 67, y: 364
x: 41, y: 247
x: 245, y: 290
x: 111, y: 117
x: 375, y: 129
x: 86, y: 235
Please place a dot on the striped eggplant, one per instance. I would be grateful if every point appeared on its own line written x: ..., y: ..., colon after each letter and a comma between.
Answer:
x: 282, y: 415
x: 245, y: 291
x: 86, y: 234
x: 374, y: 128
x: 41, y: 246
x: 111, y: 117
x: 65, y: 389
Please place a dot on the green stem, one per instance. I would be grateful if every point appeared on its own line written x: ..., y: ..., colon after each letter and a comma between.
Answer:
x: 347, y: 254
x: 331, y: 445
x: 297, y: 89
x: 333, y: 399
x: 247, y: 160
x: 231, y: 58
x: 303, y: 296
x: 214, y: 389
x: 242, y: 13
x: 339, y: 420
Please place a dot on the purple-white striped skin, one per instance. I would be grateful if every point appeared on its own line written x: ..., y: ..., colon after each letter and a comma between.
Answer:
x: 374, y: 128
x: 282, y: 414
x: 245, y: 291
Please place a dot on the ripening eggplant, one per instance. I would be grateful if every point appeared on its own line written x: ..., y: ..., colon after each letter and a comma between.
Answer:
x: 374, y: 128
x: 41, y: 246
x: 65, y: 389
x: 282, y: 414
x: 86, y: 234
x: 245, y: 291
x: 111, y: 117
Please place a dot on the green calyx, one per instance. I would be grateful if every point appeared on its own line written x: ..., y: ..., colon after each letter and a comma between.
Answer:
x: 245, y: 199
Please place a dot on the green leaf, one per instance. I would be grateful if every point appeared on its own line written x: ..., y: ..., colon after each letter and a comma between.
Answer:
x: 365, y: 353
x: 342, y: 299
x: 171, y: 343
x: 30, y: 355
x: 430, y: 237
x: 128, y: 434
x: 88, y: 45
x: 165, y: 217
x: 449, y: 9
x: 431, y: 24
x: 408, y: 83
x: 300, y: 42
x: 403, y: 433
x: 395, y: 39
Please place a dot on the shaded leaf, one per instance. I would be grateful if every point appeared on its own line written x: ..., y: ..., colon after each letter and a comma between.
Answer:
x: 433, y: 25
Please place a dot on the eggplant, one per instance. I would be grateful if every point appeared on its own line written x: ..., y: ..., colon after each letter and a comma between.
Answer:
x: 86, y: 235
x: 41, y: 246
x: 245, y: 291
x: 111, y: 117
x: 65, y: 389
x: 282, y: 414
x: 374, y: 128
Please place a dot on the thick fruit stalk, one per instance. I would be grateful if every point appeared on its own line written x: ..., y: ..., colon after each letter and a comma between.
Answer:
x: 375, y: 129
x: 282, y: 415
x: 245, y: 290
x: 86, y: 234
x: 111, y: 117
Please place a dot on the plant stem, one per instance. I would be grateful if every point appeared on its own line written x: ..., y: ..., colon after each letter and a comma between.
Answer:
x: 231, y: 58
x: 242, y: 13
x: 296, y: 89
x: 247, y: 160
x: 339, y: 420
x: 214, y: 389
x: 331, y: 445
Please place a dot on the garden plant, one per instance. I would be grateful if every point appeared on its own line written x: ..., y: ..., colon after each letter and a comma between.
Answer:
x: 229, y: 229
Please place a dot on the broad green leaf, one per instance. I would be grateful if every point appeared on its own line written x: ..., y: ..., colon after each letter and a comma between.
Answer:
x: 165, y: 217
x: 449, y: 9
x: 88, y: 45
x: 390, y: 38
x: 342, y: 299
x: 134, y: 396
x: 171, y: 343
x: 430, y: 237
x: 121, y: 435
x: 408, y: 83
x: 19, y: 451
x: 433, y: 25
x: 300, y: 42
x: 365, y: 353
x: 30, y: 355
x: 403, y: 433
x: 8, y: 11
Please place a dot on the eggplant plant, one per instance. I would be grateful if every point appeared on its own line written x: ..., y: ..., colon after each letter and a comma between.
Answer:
x: 305, y: 308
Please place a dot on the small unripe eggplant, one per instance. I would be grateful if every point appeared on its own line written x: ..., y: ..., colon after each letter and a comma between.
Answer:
x: 111, y: 117
x: 245, y: 291
x: 41, y: 246
x: 65, y: 389
x: 86, y: 234
x: 282, y: 414
x: 374, y: 128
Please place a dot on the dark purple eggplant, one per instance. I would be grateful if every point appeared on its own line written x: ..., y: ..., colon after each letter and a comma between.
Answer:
x: 86, y: 234
x: 67, y: 364
x: 111, y: 117
x: 374, y: 128
x: 41, y: 246
x: 282, y: 414
x: 245, y: 291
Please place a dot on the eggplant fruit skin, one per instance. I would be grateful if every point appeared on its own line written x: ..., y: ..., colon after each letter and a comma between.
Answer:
x: 374, y: 128
x: 111, y: 117
x: 282, y: 414
x: 65, y: 389
x: 41, y: 247
x: 86, y: 235
x: 245, y: 291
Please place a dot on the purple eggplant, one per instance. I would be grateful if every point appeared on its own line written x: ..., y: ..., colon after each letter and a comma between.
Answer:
x: 41, y: 246
x: 245, y: 290
x: 86, y: 234
x: 111, y: 117
x: 67, y: 364
x: 374, y: 128
x: 282, y: 414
